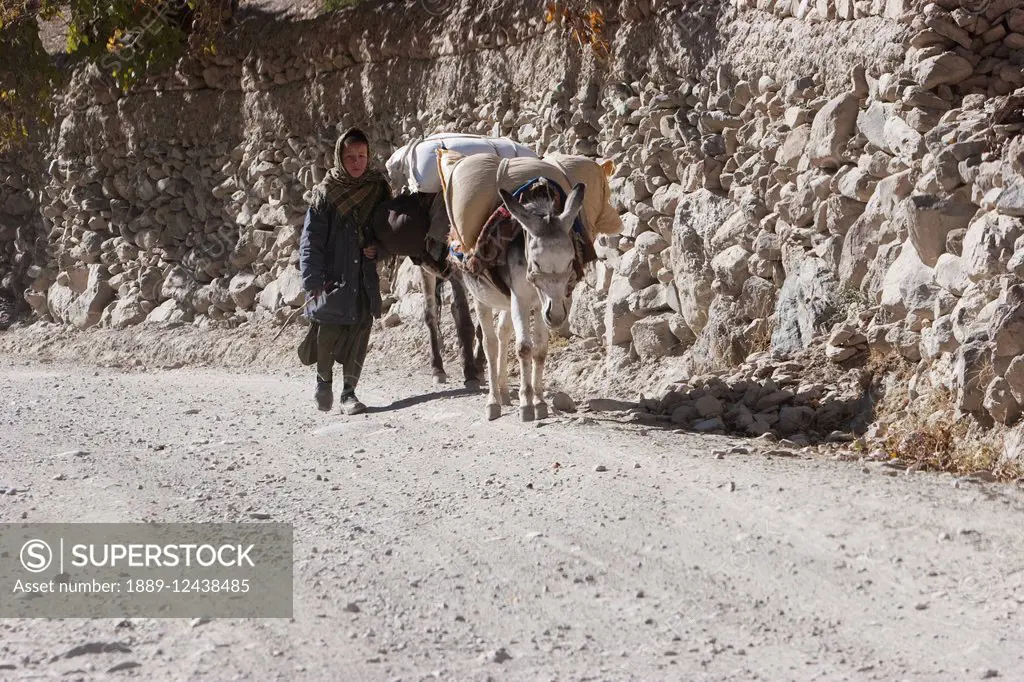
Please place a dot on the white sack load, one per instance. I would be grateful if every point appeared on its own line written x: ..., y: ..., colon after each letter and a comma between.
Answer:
x: 414, y: 166
x: 472, y: 184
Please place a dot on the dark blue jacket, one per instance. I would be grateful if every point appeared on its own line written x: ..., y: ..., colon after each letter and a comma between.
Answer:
x: 331, y: 259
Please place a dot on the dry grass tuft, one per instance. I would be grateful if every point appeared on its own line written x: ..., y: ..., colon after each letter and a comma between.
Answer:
x: 761, y: 339
x: 557, y: 343
x: 889, y: 364
x: 925, y: 434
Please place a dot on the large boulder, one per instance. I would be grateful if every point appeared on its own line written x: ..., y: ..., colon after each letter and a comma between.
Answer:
x: 797, y: 205
x: 243, y: 290
x: 794, y: 420
x: 731, y: 269
x: 871, y: 123
x: 737, y: 229
x: 653, y: 337
x: 1006, y: 327
x: 409, y: 279
x: 720, y: 342
x: 666, y: 198
x: 1000, y: 403
x: 1015, y: 378
x: 903, y: 140
x: 989, y: 245
x: 618, y: 318
x: 950, y: 275
x: 37, y: 301
x: 938, y: 339
x: 220, y: 295
x: 634, y: 267
x: 289, y: 283
x: 909, y: 285
x: 80, y: 301
x: 841, y: 213
x: 180, y: 285
x: 169, y: 311
x: 1012, y: 454
x: 791, y: 150
x: 860, y: 244
x: 930, y: 219
x: 270, y: 297
x: 59, y: 298
x: 971, y: 374
x: 151, y: 281
x: 967, y: 315
x: 410, y: 308
x: 698, y: 216
x: 757, y: 300
x: 127, y: 311
x: 585, y: 315
x: 650, y: 244
x: 806, y: 303
x: 833, y: 126
x: 947, y: 68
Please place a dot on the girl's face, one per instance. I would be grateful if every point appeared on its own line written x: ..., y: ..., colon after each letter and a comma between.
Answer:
x: 355, y: 156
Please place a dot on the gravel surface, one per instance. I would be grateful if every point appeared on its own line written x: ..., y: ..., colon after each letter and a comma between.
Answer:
x: 431, y: 544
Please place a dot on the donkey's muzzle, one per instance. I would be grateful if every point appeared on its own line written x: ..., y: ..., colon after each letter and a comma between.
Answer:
x: 554, y: 317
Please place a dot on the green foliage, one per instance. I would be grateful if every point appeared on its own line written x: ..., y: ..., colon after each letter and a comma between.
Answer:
x: 126, y: 39
x: 130, y: 39
x: 27, y: 77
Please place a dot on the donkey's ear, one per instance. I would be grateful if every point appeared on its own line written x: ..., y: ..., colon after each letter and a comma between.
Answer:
x: 518, y: 211
x: 573, y: 204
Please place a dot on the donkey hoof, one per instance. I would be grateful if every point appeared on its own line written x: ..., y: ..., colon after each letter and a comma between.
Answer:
x: 472, y: 384
x: 440, y: 378
x: 542, y: 410
x: 527, y: 413
x: 493, y: 411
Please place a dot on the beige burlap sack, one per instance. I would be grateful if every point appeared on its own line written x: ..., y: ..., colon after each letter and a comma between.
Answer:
x: 600, y: 216
x: 471, y: 189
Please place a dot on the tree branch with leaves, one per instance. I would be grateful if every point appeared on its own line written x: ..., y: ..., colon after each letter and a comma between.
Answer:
x: 584, y: 22
x: 126, y: 39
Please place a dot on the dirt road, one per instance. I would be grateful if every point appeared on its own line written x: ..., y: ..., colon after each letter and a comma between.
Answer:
x: 430, y: 544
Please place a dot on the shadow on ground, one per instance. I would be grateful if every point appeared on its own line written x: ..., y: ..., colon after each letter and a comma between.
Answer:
x: 412, y: 401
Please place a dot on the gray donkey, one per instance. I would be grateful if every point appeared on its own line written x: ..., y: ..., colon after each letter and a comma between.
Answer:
x: 532, y: 280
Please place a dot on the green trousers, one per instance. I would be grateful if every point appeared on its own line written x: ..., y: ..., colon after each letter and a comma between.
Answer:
x: 345, y: 345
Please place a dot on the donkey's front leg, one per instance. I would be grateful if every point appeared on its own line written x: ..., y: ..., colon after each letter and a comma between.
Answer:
x: 485, y: 316
x: 540, y: 354
x: 521, y: 314
x: 430, y: 316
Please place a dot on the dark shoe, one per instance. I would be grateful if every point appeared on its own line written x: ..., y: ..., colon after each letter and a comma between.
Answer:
x: 324, y: 397
x: 351, y: 405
